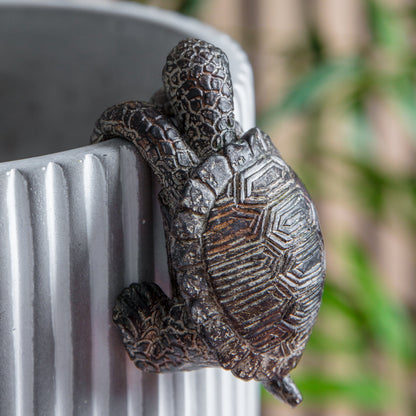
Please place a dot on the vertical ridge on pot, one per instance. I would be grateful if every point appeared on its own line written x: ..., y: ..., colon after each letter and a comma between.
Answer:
x: 187, y: 385
x: 22, y: 291
x: 166, y: 404
x: 96, y: 209
x: 212, y: 381
x: 138, y: 248
x: 226, y: 391
x: 58, y: 234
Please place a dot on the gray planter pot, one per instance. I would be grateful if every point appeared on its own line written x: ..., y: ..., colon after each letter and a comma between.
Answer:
x: 78, y: 226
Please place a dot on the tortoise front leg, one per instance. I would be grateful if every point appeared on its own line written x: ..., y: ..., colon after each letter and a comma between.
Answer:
x: 157, y: 140
x: 157, y: 331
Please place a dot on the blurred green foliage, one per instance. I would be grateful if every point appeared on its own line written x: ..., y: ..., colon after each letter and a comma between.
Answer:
x: 377, y: 325
x: 187, y: 7
x: 373, y: 326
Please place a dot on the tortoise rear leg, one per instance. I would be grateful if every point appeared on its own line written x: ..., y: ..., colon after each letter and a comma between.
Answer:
x: 157, y: 331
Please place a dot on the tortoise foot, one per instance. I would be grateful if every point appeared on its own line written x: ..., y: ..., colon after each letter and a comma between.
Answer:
x: 157, y: 331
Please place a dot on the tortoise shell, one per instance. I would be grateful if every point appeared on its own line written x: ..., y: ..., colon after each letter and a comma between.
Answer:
x: 250, y: 264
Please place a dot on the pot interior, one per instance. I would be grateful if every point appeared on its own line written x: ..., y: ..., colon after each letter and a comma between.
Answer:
x: 61, y: 67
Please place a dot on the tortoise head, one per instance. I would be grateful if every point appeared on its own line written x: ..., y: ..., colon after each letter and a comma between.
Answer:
x: 284, y: 389
x: 197, y: 83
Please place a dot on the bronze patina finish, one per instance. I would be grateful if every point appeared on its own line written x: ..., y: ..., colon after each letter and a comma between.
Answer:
x: 245, y: 250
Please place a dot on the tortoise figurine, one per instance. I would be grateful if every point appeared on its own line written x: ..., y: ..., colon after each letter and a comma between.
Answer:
x: 245, y: 250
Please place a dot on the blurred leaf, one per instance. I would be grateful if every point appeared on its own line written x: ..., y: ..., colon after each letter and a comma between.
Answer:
x: 314, y: 40
x: 310, y: 88
x: 321, y: 342
x: 336, y: 299
x: 190, y: 7
x: 374, y: 187
x: 369, y: 183
x: 388, y: 321
x: 366, y: 391
x: 403, y: 92
x: 141, y: 1
x: 362, y: 137
x: 337, y: 304
x: 410, y: 211
x: 386, y: 26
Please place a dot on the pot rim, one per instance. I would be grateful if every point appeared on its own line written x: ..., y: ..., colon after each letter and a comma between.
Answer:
x: 159, y: 17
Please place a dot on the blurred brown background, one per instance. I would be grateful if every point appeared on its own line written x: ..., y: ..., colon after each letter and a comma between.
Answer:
x: 335, y: 89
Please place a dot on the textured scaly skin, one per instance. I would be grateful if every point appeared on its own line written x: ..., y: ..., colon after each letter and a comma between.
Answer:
x: 198, y: 85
